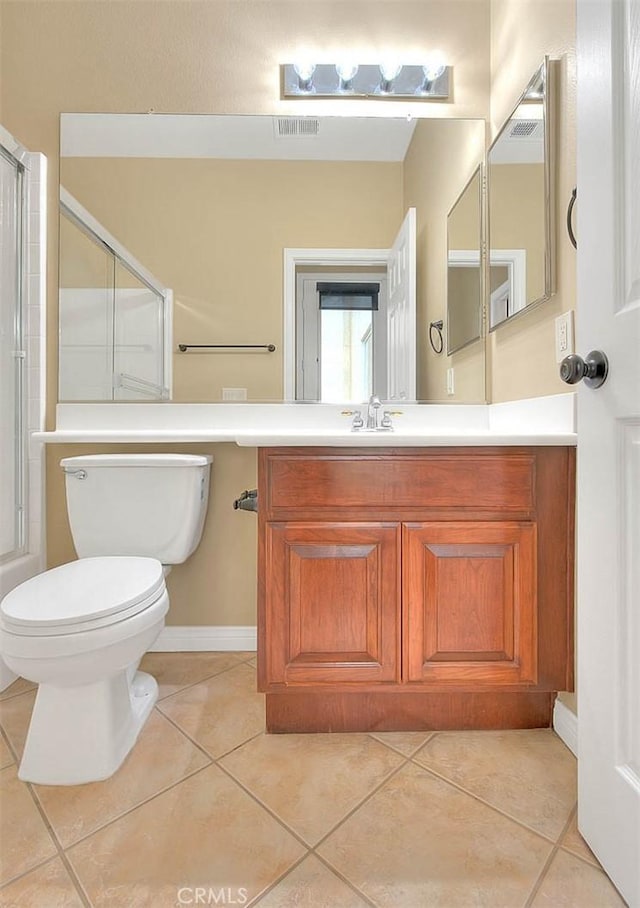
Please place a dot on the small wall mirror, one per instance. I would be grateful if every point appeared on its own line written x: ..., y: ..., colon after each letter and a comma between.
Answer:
x: 464, y: 272
x: 520, y: 203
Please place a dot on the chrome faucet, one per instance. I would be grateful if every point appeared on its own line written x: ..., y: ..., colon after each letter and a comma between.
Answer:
x: 373, y: 411
x: 374, y: 421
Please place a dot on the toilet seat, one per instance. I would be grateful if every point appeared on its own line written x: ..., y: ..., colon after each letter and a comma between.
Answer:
x: 82, y: 595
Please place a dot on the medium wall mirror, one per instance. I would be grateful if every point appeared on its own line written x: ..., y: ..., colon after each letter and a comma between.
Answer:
x: 520, y: 191
x: 464, y: 269
x: 179, y: 231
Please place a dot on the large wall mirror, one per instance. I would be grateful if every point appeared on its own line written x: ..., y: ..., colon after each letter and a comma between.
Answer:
x: 520, y: 177
x: 464, y: 266
x: 200, y: 210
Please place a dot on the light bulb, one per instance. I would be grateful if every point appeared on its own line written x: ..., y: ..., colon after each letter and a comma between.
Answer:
x: 389, y: 70
x: 434, y: 66
x: 304, y: 71
x: 346, y: 72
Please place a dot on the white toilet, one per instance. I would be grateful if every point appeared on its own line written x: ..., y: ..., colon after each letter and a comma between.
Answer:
x: 80, y: 629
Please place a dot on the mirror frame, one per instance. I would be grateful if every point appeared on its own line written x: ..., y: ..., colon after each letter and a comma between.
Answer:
x: 480, y: 172
x: 548, y: 72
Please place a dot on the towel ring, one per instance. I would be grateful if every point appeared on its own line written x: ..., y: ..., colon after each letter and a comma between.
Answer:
x: 572, y: 236
x: 438, y: 346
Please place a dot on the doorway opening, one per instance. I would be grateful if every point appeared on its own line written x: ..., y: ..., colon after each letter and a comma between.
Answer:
x: 341, y: 334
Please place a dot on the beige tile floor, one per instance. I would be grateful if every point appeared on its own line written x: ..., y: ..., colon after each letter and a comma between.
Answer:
x: 208, y: 810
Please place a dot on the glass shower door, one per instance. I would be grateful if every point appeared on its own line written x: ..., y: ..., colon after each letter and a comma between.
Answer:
x: 138, y: 338
x: 12, y: 432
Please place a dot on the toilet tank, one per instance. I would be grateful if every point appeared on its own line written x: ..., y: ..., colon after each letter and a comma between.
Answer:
x: 137, y: 504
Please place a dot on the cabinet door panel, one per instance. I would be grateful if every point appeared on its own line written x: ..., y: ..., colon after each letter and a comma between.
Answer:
x: 333, y: 608
x: 470, y: 602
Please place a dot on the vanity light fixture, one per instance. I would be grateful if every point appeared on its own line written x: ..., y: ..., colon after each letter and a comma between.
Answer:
x: 430, y: 80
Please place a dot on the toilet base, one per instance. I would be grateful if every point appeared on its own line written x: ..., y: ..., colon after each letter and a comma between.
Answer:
x: 83, y: 734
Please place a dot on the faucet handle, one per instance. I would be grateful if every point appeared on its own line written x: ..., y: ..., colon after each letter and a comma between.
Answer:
x: 386, y: 422
x: 357, y: 421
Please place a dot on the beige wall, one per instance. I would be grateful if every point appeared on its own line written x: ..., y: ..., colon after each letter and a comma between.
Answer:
x: 214, y: 231
x: 205, y: 57
x: 453, y: 151
x: 516, y: 217
x: 222, y: 57
x: 211, y: 56
x: 217, y: 585
x: 522, y: 32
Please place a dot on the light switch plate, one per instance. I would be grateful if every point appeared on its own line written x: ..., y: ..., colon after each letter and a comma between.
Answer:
x: 564, y: 335
x: 450, y: 382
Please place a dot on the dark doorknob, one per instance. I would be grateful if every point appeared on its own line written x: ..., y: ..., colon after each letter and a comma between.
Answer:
x: 594, y: 369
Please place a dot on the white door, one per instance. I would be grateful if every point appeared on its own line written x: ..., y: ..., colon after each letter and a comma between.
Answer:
x: 608, y: 617
x: 401, y: 312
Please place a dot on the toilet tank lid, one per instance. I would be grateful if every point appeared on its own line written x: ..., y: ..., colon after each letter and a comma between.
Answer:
x: 135, y: 460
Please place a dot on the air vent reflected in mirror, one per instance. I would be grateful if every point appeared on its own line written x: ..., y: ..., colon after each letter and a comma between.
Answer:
x: 296, y: 127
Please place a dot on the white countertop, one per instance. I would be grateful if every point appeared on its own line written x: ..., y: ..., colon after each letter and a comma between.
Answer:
x: 536, y: 421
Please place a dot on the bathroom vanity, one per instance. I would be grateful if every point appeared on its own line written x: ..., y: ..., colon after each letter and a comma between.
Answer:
x: 410, y: 579
x: 412, y: 588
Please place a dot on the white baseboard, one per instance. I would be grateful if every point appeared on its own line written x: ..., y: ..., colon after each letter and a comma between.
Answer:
x: 565, y: 725
x: 205, y: 638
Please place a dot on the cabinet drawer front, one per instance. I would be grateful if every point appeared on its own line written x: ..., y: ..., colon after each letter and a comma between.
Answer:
x: 470, y: 602
x: 436, y: 481
x: 333, y: 603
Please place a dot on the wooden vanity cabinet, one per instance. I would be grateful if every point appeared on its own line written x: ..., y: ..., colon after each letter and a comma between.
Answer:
x: 410, y: 589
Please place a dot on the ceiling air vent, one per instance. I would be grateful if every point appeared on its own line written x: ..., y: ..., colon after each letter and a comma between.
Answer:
x: 296, y: 127
x: 524, y: 129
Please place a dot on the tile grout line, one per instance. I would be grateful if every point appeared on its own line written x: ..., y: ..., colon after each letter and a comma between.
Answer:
x: 547, y: 864
x: 345, y: 879
x: 295, y: 866
x: 24, y: 873
x: 284, y: 824
x: 53, y: 837
x: 269, y: 810
x: 84, y: 896
x: 361, y: 803
x: 183, y: 732
x: 135, y: 807
x: 476, y: 797
x: 20, y: 693
x: 45, y: 820
x: 258, y: 898
x: 311, y: 849
x: 195, y: 683
x: 5, y: 738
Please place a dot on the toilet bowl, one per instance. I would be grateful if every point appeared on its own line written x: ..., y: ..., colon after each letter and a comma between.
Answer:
x: 80, y: 630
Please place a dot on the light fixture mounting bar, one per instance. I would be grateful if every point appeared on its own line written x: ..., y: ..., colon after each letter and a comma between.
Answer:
x: 368, y: 82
